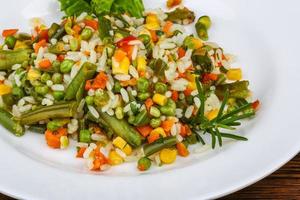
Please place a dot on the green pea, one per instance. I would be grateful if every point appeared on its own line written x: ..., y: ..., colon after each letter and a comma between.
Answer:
x: 42, y: 89
x: 145, y: 38
x: 86, y: 34
x: 58, y: 95
x: 144, y: 164
x: 101, y: 98
x: 143, y: 96
x: 119, y: 113
x: 155, y: 122
x: 18, y: 92
x: 74, y: 44
x: 56, y: 65
x: 155, y: 112
x: 45, y: 77
x: 10, y: 41
x: 85, y: 136
x: 143, y: 85
x: 89, y: 100
x: 160, y: 88
x: 57, y: 78
x: 117, y: 87
x: 66, y: 66
x: 169, y: 109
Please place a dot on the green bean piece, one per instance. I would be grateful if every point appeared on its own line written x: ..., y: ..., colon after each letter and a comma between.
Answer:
x: 86, y: 72
x: 57, y: 78
x: 23, y: 37
x: 191, y: 139
x: 206, y: 21
x: 10, y: 58
x: 58, y: 95
x: 101, y: 98
x: 10, y: 41
x: 60, y: 110
x: 89, y: 100
x: 155, y: 112
x: 45, y: 77
x: 141, y: 119
x: 122, y: 129
x: 145, y: 38
x: 58, y: 48
x: 6, y: 119
x: 155, y: 122
x: 117, y: 87
x: 56, y: 124
x: 131, y: 119
x: 38, y: 128
x: 144, y: 164
x: 42, y: 89
x: 169, y: 109
x: 53, y: 29
x: 86, y: 34
x: 143, y: 96
x: 143, y: 85
x: 66, y: 66
x: 85, y: 136
x: 59, y: 33
x: 161, y: 87
x: 158, y: 145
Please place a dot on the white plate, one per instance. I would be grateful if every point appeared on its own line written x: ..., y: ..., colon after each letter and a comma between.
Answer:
x: 265, y: 37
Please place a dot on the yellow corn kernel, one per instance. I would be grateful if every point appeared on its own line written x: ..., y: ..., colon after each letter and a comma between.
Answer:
x: 212, y: 114
x: 234, y: 74
x: 33, y: 74
x: 115, y: 158
x: 159, y: 131
x: 152, y: 22
x: 192, y: 85
x: 191, y: 77
x: 160, y: 99
x: 5, y: 89
x: 197, y: 43
x: 168, y: 156
x: 121, y: 68
x: 141, y: 64
x: 64, y: 142
x: 119, y: 142
x: 127, y: 150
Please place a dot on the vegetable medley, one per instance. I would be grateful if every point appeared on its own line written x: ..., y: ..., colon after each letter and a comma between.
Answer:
x: 126, y: 84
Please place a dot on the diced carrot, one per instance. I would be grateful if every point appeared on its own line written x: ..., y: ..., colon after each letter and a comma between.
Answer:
x: 119, y: 55
x: 43, y: 35
x: 39, y: 44
x: 167, y: 125
x: 188, y: 92
x: 9, y: 32
x: 144, y: 130
x: 131, y: 82
x: 125, y: 41
x: 141, y: 73
x: 153, y: 36
x: 209, y: 77
x: 175, y: 95
x: 96, y: 165
x: 182, y: 150
x: 128, y: 49
x: 87, y: 53
x: 100, y: 81
x: 153, y: 137
x: 45, y: 64
x: 100, y: 159
x: 149, y: 103
x: 182, y: 75
x: 173, y: 3
x: 181, y: 52
x: 76, y: 28
x: 167, y: 27
x: 53, y: 137
x: 80, y: 152
x: 60, y: 57
x: 88, y: 85
x: 91, y: 23
x: 183, y: 131
x: 256, y: 104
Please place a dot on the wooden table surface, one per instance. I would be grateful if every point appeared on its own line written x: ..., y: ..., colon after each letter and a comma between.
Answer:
x: 283, y: 184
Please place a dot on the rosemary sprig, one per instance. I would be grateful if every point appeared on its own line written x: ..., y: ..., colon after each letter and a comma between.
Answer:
x: 228, y: 121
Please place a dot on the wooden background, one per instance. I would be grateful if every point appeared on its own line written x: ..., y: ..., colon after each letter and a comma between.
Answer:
x: 283, y: 184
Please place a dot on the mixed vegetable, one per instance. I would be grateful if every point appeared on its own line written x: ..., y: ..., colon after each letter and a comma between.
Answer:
x: 125, y: 83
